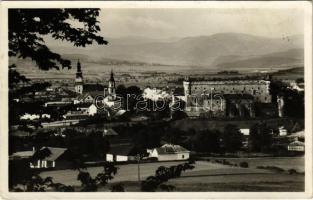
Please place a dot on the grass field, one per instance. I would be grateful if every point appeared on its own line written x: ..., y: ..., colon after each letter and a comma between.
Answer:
x: 285, y: 163
x: 206, y: 176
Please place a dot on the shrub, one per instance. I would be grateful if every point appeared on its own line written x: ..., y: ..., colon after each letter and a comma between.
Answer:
x: 117, y: 188
x: 273, y: 168
x: 244, y: 164
x: 292, y: 171
x: 191, y: 160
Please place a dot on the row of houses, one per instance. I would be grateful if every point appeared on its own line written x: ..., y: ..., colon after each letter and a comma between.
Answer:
x: 58, y: 157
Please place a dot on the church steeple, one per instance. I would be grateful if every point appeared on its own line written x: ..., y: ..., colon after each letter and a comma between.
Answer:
x: 79, y: 79
x: 79, y: 72
x: 111, y: 88
x: 112, y: 76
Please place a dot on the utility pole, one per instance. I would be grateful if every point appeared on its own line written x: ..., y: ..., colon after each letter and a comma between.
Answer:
x: 138, y: 166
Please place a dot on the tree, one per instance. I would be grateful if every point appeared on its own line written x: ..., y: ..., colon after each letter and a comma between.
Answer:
x: 28, y: 26
x: 206, y: 141
x: 91, y: 184
x: 294, y: 100
x: 162, y: 175
x: 132, y: 97
x: 121, y: 90
x: 231, y: 138
x: 260, y: 138
x: 173, y: 136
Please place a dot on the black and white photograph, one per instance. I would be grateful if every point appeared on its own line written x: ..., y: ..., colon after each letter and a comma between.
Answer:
x: 157, y: 97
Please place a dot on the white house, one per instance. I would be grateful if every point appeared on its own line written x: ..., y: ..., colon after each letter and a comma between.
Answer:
x: 84, y: 98
x: 92, y: 110
x: 121, y: 153
x: 245, y: 131
x: 282, y: 131
x: 109, y: 132
x: 27, y: 116
x: 49, y: 161
x: 296, y: 146
x: 169, y: 152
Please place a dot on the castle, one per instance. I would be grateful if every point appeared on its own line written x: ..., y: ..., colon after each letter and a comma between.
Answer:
x: 259, y: 89
x: 225, y: 98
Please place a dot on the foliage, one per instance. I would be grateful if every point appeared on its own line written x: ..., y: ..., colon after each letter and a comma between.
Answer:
x: 244, y: 164
x: 293, y: 99
x: 260, y: 138
x: 162, y: 175
x: 41, y: 154
x: 28, y: 26
x: 90, y: 184
x: 272, y: 168
x: 20, y: 174
x: 15, y: 77
x: 173, y: 136
x: 206, y: 141
x: 117, y: 188
x: 231, y: 138
x: 292, y: 171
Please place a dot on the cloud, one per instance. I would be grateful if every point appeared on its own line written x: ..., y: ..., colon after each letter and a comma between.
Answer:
x: 163, y: 23
x: 121, y: 23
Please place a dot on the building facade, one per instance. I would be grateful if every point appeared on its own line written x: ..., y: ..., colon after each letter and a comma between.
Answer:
x: 259, y: 89
x: 169, y: 152
x: 225, y: 98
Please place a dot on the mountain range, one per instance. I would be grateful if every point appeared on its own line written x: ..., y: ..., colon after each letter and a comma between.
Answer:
x: 222, y: 50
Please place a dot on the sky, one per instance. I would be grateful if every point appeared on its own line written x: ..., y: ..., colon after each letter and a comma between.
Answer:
x: 186, y: 22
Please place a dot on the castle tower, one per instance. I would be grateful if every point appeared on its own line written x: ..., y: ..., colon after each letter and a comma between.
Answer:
x: 79, y: 82
x: 280, y: 106
x: 111, y: 88
x: 187, y: 86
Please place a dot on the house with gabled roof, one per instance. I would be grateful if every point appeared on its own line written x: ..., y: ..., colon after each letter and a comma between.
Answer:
x: 122, y: 152
x: 109, y: 132
x: 46, y: 157
x: 170, y: 152
x: 56, y: 158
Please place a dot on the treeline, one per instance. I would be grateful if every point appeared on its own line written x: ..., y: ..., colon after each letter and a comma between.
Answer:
x: 94, y: 144
x: 293, y: 99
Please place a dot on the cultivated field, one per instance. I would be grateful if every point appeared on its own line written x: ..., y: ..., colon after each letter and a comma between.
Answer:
x: 206, y: 176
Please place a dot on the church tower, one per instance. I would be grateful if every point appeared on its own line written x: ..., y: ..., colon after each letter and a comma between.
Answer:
x: 79, y: 82
x: 111, y: 89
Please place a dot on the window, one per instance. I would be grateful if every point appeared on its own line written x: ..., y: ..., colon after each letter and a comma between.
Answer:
x: 183, y: 156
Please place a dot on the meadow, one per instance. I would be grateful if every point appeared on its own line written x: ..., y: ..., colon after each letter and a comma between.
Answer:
x: 206, y: 176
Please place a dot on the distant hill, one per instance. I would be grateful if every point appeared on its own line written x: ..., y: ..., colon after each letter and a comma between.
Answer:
x: 291, y: 73
x: 106, y: 61
x: 223, y: 51
x: 199, y: 51
x: 276, y: 60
